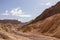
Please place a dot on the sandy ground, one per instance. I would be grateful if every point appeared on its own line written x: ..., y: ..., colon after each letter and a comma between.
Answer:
x: 22, y: 36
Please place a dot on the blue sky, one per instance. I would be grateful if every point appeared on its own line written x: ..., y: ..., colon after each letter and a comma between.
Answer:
x: 23, y: 10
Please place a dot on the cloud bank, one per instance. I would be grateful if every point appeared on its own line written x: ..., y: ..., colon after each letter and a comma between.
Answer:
x: 16, y: 12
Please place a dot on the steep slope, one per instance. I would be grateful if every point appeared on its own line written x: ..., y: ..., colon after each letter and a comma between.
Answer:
x: 50, y: 26
x: 16, y: 35
x: 48, y: 12
x: 48, y: 23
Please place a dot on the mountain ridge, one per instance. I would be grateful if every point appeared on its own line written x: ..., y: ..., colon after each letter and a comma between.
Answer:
x: 48, y: 12
x: 48, y: 23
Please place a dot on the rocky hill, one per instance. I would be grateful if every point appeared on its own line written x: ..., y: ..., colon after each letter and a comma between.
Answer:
x: 8, y: 31
x: 45, y: 27
x: 10, y: 21
x: 55, y: 9
x: 10, y: 24
x: 48, y: 23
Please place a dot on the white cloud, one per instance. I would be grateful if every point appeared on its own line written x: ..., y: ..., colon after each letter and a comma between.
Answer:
x: 16, y: 12
x: 47, y: 4
x: 6, y: 13
x: 25, y: 15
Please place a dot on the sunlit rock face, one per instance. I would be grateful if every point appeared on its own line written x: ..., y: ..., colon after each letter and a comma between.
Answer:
x: 48, y: 23
x: 55, y: 9
x: 45, y: 27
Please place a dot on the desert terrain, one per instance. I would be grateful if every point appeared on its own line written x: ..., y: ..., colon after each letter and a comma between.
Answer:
x: 44, y: 27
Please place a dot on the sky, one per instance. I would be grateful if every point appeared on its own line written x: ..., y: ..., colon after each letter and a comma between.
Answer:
x: 23, y: 10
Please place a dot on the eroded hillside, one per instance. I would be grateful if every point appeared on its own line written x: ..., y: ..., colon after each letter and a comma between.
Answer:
x: 48, y: 23
x: 45, y: 27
